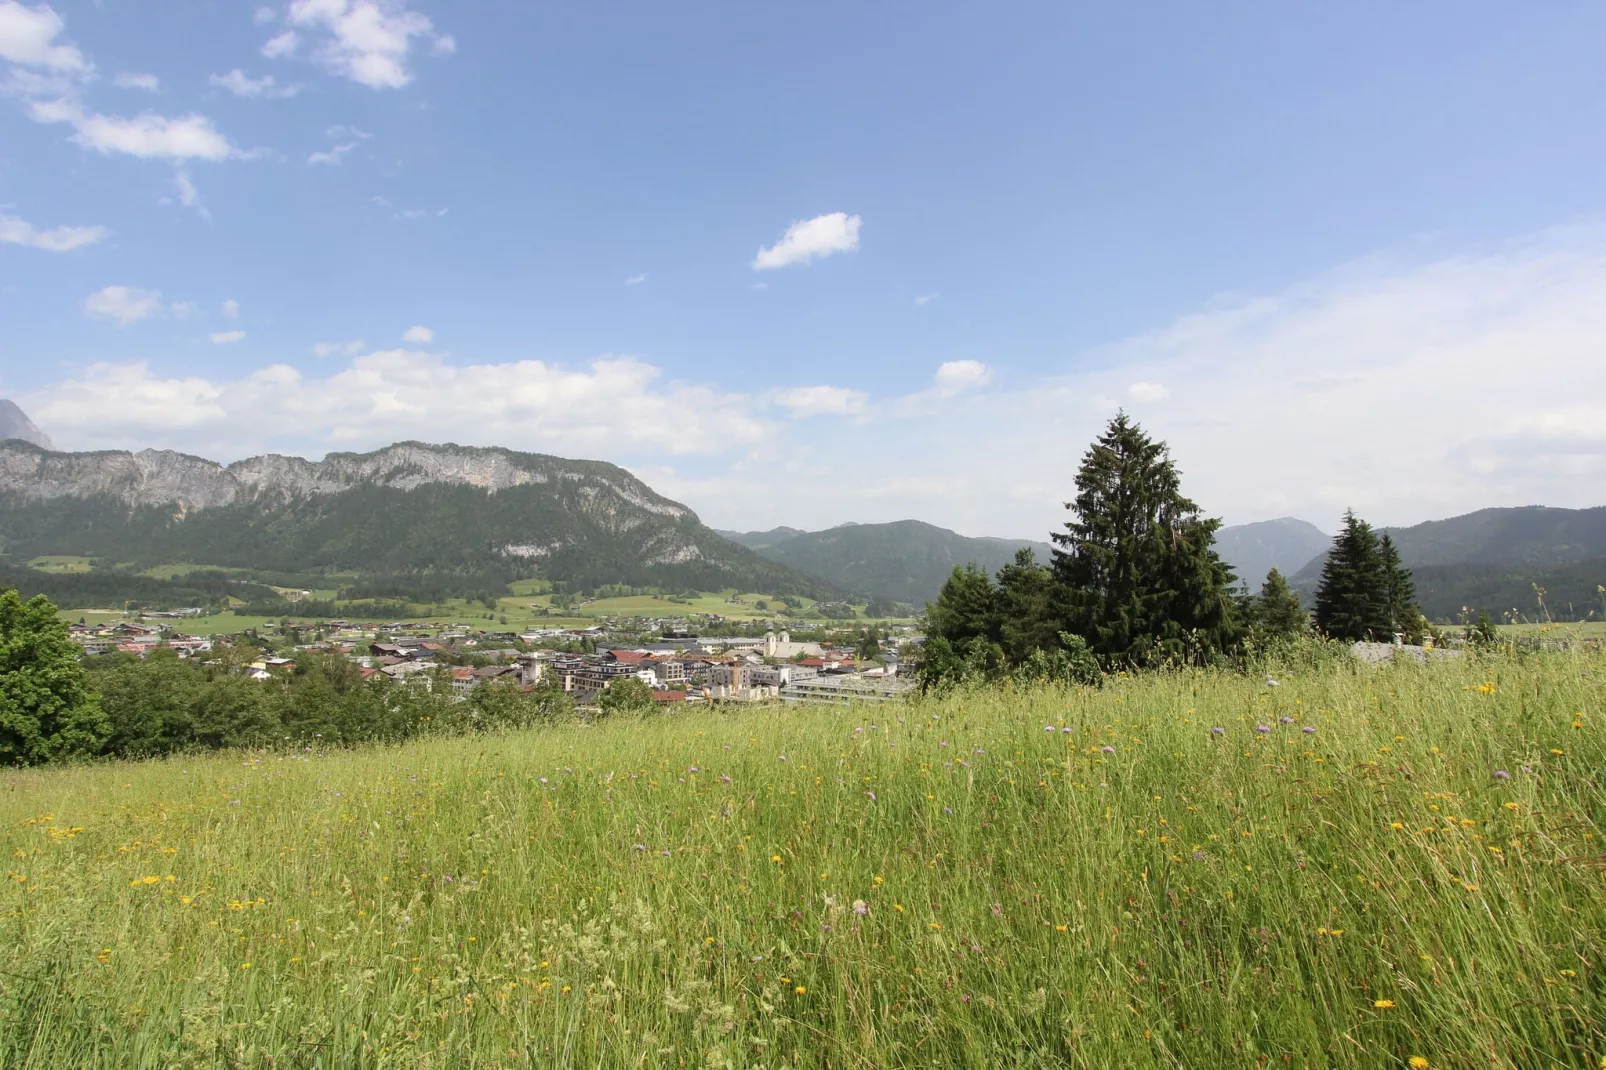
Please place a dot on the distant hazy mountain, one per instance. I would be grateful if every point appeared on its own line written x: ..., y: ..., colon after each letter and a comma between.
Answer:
x: 905, y: 561
x: 1286, y: 545
x: 409, y: 508
x: 1493, y: 558
x: 14, y: 423
x: 757, y: 540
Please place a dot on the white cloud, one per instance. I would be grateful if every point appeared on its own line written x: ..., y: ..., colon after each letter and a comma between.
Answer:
x: 809, y: 239
x: 264, y: 15
x: 1148, y: 392
x: 614, y: 405
x: 635, y: 280
x: 419, y: 335
x: 333, y: 156
x: 821, y: 400
x: 339, y: 349
x: 224, y: 338
x: 14, y: 231
x: 148, y: 136
x: 957, y: 376
x: 125, y: 304
x: 367, y: 41
x: 925, y: 299
x: 134, y: 80
x: 243, y: 85
x: 281, y: 45
x: 231, y: 308
x: 28, y: 37
x: 188, y: 195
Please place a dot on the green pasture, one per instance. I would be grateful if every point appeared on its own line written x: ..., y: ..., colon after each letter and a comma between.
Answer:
x: 1360, y: 868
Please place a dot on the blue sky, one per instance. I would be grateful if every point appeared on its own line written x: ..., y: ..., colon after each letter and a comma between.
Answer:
x: 1337, y: 257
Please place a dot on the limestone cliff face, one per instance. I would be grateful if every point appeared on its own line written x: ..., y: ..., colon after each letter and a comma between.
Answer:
x: 407, y: 507
x: 163, y: 477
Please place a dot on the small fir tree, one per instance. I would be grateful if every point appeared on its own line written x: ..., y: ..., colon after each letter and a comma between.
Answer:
x: 1025, y: 607
x: 1136, y: 570
x: 1399, y: 592
x: 1352, y: 599
x: 1278, y: 614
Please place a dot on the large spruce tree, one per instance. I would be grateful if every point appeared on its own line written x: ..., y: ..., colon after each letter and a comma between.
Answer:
x: 1352, y: 600
x: 1137, y: 574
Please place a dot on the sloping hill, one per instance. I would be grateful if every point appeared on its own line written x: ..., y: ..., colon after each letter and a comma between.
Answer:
x: 411, y: 507
x: 1253, y: 550
x: 1493, y: 559
x: 904, y: 561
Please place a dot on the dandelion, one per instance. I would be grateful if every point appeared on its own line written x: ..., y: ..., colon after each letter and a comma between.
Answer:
x: 776, y: 859
x: 245, y: 965
x: 1416, y: 1062
x: 1383, y: 1004
x: 800, y: 990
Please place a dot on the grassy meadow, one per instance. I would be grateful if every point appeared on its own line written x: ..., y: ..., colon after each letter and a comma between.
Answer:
x: 1361, y: 869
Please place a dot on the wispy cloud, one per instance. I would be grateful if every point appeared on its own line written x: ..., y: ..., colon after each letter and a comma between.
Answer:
x: 149, y: 83
x: 811, y: 239
x: 14, y: 231
x: 635, y: 280
x: 925, y: 299
x: 224, y: 338
x: 366, y: 41
x: 419, y: 336
x: 243, y: 85
x: 125, y: 304
x: 339, y: 349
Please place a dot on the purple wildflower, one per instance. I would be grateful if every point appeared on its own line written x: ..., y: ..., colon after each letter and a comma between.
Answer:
x: 641, y: 847
x: 1107, y: 749
x: 694, y: 769
x: 1048, y: 728
x: 870, y: 795
x: 1501, y: 774
x: 1217, y: 730
x: 1308, y: 730
x: 1262, y: 729
x: 1066, y: 730
x: 1285, y: 720
x: 724, y: 780
x: 947, y: 809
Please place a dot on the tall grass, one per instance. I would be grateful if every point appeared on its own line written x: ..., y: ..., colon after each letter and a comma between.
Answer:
x: 996, y: 878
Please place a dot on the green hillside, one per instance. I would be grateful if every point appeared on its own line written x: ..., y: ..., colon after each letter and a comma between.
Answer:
x: 904, y: 561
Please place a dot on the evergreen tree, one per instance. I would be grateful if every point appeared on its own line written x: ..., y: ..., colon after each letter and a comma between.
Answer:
x: 1352, y: 600
x: 1399, y: 592
x: 46, y: 708
x: 1024, y: 605
x: 965, y: 609
x: 1136, y: 570
x: 1277, y: 611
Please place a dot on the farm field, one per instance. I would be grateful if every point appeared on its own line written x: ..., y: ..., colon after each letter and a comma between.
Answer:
x: 994, y: 878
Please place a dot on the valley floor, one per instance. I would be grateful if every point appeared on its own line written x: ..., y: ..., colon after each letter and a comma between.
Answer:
x: 1352, y: 868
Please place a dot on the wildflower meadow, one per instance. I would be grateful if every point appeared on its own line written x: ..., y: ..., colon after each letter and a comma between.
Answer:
x: 1338, y: 866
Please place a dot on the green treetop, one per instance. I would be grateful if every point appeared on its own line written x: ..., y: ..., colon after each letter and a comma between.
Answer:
x: 1137, y: 571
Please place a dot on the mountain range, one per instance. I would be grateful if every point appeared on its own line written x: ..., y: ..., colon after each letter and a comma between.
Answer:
x: 423, y: 512
x: 408, y: 508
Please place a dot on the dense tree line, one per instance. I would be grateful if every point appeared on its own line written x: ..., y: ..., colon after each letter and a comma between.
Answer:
x: 1135, y: 582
